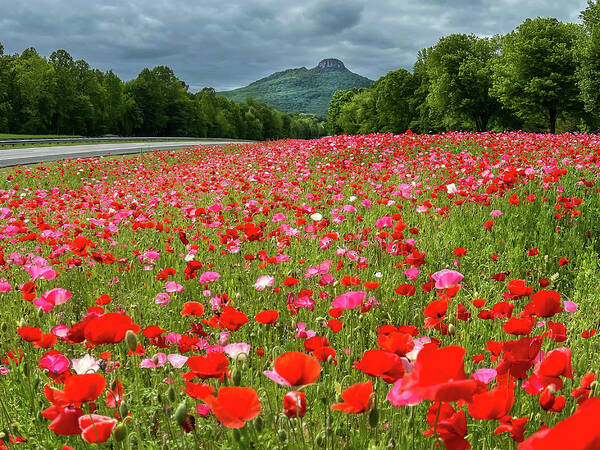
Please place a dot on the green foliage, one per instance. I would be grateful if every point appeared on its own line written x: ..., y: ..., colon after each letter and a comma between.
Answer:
x: 460, y: 69
x: 59, y: 95
x: 589, y: 58
x: 300, y: 90
x: 535, y: 74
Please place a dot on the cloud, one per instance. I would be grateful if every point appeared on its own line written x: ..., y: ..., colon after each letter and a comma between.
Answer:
x: 227, y: 44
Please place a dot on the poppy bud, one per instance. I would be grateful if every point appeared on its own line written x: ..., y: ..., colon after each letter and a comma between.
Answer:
x: 120, y: 432
x: 2, y: 435
x: 374, y: 417
x: 181, y: 413
x: 282, y: 435
x: 26, y: 370
x: 123, y: 409
x: 237, y: 377
x: 40, y: 313
x: 451, y: 329
x: 133, y: 439
x: 131, y: 340
x: 171, y: 394
x: 160, y: 399
x: 4, y: 326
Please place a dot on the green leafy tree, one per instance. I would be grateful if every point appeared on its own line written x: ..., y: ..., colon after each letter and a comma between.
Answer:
x: 393, y: 94
x: 589, y: 58
x: 338, y: 100
x: 459, y: 68
x: 536, y: 73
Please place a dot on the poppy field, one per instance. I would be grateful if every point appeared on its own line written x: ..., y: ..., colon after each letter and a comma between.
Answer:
x: 374, y: 291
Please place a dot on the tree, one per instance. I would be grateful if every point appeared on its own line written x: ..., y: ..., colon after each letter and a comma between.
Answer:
x: 459, y: 68
x: 536, y: 73
x: 338, y: 100
x: 589, y: 58
x: 393, y: 94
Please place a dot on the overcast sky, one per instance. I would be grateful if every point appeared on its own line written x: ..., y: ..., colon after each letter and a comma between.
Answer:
x: 230, y: 43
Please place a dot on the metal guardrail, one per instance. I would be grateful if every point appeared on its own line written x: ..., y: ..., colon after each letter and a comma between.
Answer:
x: 21, y: 141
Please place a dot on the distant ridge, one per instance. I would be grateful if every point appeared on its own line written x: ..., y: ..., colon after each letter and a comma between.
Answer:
x: 301, y: 90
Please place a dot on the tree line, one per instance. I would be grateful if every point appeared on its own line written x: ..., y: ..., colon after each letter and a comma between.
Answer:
x: 60, y: 95
x: 543, y: 76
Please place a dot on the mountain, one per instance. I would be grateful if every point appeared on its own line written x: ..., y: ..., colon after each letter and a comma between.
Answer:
x: 301, y: 90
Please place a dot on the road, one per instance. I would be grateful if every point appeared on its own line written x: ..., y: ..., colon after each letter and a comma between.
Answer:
x: 32, y: 155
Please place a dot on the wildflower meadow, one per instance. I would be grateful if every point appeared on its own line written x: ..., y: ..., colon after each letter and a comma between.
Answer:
x: 371, y: 291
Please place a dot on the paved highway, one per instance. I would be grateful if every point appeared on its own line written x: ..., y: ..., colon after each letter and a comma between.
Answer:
x: 32, y: 155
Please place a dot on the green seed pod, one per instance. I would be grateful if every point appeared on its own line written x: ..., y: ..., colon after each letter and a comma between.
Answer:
x: 120, y: 432
x: 181, y: 413
x: 374, y: 417
x: 282, y: 435
x: 131, y: 340
x: 259, y: 424
x: 237, y: 377
x: 237, y: 436
x: 123, y: 410
x: 171, y: 394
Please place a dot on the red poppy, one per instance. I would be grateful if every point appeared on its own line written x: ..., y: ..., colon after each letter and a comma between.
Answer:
x: 580, y: 431
x: 582, y: 393
x: 294, y: 404
x: 379, y: 363
x: 493, y: 404
x: 96, y: 429
x: 290, y: 281
x: 30, y: 334
x: 234, y: 406
x: 192, y: 309
x: 295, y: 369
x: 546, y: 303
x: 518, y: 289
x: 109, y: 328
x: 335, y: 325
x: 438, y: 375
x: 449, y: 425
x: 519, y: 326
x: 357, y: 398
x: 405, y: 289
x: 519, y: 355
x: 198, y: 391
x: 153, y: 331
x: 514, y: 426
x: 435, y: 313
x: 459, y: 252
x: 64, y: 419
x: 211, y: 365
x: 396, y: 342
x: 232, y: 319
x: 84, y: 388
x: 557, y: 363
x: 267, y: 317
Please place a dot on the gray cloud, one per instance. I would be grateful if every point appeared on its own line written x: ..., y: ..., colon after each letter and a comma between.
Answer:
x: 230, y: 43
